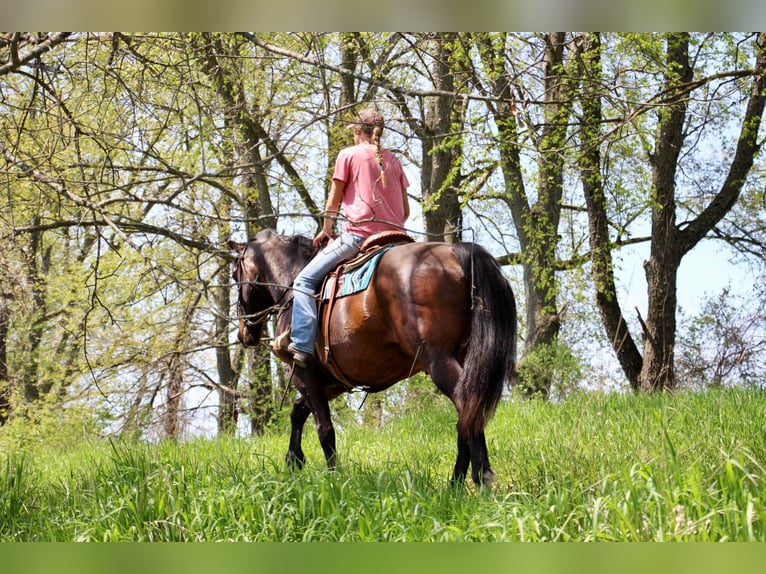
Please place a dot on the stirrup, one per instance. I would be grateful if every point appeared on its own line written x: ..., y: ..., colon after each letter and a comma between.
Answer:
x: 300, y: 358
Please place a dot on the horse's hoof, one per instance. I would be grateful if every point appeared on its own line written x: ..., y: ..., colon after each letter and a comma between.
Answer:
x: 484, y: 479
x: 294, y: 462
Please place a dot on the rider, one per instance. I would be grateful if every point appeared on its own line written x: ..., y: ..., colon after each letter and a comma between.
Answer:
x: 370, y: 183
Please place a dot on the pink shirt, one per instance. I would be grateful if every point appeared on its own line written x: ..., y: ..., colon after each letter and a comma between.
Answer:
x: 367, y: 207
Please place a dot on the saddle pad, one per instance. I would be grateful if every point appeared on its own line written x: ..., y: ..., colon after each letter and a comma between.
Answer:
x: 354, y: 280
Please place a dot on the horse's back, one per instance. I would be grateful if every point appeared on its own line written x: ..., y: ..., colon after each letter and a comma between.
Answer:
x: 419, y: 298
x: 421, y: 277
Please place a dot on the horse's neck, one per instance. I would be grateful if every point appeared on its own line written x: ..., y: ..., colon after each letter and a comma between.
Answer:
x: 279, y: 286
x: 281, y: 281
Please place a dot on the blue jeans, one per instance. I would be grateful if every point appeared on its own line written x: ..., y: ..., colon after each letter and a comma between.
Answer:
x: 304, y: 320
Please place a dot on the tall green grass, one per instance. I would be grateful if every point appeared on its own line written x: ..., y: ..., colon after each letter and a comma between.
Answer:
x: 593, y: 467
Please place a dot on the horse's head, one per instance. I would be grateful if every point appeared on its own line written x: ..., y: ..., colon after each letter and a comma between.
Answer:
x: 264, y: 270
x: 254, y: 300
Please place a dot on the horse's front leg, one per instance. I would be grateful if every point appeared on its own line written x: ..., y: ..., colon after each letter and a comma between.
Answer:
x: 317, y: 395
x: 295, y: 457
x: 326, y: 433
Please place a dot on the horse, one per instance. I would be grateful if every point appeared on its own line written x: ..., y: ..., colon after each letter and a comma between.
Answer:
x: 439, y: 308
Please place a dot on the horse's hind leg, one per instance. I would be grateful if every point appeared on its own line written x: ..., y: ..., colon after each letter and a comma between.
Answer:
x: 445, y: 372
x: 471, y: 443
x: 462, y: 462
x: 472, y: 448
x: 481, y: 472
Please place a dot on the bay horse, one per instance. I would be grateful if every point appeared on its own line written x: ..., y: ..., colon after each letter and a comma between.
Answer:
x: 443, y: 309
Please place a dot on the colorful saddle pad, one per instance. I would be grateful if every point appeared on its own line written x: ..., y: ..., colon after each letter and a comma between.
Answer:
x: 353, y: 277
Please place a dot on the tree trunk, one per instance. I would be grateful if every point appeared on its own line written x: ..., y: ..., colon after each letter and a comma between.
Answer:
x: 658, y: 371
x: 5, y: 384
x: 536, y: 223
x: 171, y: 417
x: 441, y: 157
x: 244, y: 119
x: 171, y: 422
x: 661, y: 269
x: 602, y: 267
x: 261, y: 396
x: 38, y: 262
x: 227, y: 376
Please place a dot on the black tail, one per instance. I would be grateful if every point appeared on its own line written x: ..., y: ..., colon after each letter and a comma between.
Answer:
x: 491, y: 357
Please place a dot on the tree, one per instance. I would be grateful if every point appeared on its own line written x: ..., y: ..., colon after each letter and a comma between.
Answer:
x: 91, y: 211
x: 670, y: 239
x: 724, y: 345
x: 440, y: 134
x: 536, y: 213
x: 590, y: 163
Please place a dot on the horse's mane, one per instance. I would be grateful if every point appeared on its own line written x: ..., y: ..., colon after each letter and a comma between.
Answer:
x: 305, y: 246
x: 292, y: 254
x: 299, y: 247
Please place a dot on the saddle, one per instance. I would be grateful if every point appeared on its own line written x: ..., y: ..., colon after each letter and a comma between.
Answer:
x: 351, y: 277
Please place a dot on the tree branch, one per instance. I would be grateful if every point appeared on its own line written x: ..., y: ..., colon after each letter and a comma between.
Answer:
x: 747, y: 148
x: 18, y: 60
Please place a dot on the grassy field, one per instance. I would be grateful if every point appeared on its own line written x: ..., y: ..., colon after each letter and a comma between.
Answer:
x: 689, y: 467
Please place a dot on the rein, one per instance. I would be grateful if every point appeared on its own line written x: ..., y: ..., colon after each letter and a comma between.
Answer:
x: 255, y: 319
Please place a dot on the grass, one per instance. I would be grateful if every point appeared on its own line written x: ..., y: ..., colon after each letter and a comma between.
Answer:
x: 688, y: 467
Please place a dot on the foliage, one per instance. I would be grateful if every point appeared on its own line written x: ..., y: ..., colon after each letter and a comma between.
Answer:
x: 554, y: 362
x: 127, y: 161
x: 578, y: 470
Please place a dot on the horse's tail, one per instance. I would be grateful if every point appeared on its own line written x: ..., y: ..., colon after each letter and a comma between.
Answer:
x: 490, y: 360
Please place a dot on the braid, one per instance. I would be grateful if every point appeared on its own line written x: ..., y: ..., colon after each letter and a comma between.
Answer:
x: 377, y: 131
x: 371, y: 123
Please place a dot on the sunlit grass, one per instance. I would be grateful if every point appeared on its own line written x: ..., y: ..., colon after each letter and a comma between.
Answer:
x: 593, y: 467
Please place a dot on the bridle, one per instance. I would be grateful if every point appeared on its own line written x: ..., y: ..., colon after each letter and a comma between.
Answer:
x: 280, y: 303
x: 252, y: 320
x: 255, y: 319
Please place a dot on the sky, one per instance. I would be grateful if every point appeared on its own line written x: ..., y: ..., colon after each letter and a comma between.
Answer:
x: 705, y: 271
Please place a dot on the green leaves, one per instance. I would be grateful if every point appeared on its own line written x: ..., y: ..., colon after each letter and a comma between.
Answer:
x: 128, y: 159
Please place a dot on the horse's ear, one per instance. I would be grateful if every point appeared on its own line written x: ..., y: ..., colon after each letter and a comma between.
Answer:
x: 238, y: 247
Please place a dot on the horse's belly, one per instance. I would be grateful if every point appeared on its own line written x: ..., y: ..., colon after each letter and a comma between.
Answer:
x: 375, y: 365
x: 366, y: 351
